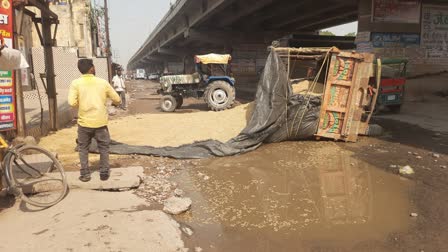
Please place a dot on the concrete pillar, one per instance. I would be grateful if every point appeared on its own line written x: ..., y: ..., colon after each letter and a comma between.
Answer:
x: 365, y: 22
x: 401, y: 39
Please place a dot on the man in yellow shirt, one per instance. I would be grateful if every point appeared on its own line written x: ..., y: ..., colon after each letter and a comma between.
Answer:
x: 89, y: 95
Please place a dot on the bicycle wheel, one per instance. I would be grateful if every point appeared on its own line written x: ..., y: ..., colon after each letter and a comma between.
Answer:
x: 37, y: 174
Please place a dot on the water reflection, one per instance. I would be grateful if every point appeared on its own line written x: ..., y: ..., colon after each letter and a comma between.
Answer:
x: 281, y: 192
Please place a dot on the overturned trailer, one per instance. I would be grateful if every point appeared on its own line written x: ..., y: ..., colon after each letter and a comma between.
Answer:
x: 342, y: 80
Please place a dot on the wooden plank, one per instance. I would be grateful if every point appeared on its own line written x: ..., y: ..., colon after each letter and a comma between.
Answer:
x: 342, y: 83
x: 336, y: 109
x: 307, y: 50
x: 348, y: 120
x: 326, y: 98
x: 362, y: 87
x: 352, y: 55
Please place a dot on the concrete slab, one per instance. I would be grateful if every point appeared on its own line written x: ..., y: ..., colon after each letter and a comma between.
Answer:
x: 90, y: 221
x: 120, y: 179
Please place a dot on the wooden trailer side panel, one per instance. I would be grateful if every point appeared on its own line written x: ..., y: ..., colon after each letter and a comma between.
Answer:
x: 344, y: 97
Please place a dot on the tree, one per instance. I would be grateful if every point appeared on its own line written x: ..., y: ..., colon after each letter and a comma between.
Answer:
x: 351, y: 34
x: 326, y: 33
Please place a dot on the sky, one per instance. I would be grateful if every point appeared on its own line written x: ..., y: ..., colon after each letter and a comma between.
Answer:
x: 131, y: 24
x: 343, y: 30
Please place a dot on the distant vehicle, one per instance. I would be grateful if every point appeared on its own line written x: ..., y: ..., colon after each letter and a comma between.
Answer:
x: 212, y: 81
x: 153, y: 76
x: 392, y: 84
x: 140, y: 74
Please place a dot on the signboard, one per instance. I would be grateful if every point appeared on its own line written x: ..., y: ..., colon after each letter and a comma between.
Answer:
x: 7, y: 92
x: 435, y: 30
x: 395, y: 40
x: 396, y: 11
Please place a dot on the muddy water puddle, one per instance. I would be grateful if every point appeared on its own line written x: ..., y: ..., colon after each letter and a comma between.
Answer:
x: 300, y: 196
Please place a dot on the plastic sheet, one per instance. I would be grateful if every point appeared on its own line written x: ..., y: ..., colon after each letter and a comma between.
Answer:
x: 12, y: 59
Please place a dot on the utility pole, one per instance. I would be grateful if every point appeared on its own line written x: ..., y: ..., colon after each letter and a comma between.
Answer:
x: 20, y: 105
x: 108, y: 46
x: 49, y: 68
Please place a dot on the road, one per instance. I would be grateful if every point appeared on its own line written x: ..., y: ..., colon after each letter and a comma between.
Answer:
x: 293, y: 196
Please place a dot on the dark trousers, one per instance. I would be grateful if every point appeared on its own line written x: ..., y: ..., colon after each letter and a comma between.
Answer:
x: 102, y: 137
x: 122, y: 95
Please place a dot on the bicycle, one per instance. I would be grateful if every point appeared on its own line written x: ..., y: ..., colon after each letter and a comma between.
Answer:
x: 33, y: 174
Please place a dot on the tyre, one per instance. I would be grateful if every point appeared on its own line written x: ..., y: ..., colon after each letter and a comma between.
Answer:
x: 36, y: 175
x: 220, y: 95
x: 374, y: 130
x: 168, y: 103
x: 179, y: 100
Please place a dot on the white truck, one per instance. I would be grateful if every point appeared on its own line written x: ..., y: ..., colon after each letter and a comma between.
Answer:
x: 140, y: 74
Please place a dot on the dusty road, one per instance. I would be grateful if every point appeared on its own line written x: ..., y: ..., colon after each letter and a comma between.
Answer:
x: 294, y: 196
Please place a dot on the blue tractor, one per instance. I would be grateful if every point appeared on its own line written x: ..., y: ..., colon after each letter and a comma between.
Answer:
x: 211, y: 81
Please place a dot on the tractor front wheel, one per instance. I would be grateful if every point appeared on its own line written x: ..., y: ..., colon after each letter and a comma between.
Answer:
x: 220, y: 95
x: 168, y: 103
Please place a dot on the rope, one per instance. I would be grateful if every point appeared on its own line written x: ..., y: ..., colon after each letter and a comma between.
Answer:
x: 308, y: 95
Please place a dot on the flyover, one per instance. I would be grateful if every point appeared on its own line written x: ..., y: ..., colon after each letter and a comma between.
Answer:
x: 243, y: 28
x: 246, y: 28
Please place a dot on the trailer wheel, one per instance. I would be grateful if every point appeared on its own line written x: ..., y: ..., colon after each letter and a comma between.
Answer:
x: 168, y: 103
x: 220, y: 95
x: 374, y: 130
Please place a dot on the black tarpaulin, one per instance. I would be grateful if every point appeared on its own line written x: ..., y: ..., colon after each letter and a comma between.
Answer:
x: 278, y: 116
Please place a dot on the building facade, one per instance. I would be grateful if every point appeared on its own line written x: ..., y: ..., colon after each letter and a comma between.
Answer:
x: 77, y: 27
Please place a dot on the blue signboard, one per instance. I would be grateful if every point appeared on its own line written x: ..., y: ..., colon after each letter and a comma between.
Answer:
x: 6, y: 99
x: 395, y: 40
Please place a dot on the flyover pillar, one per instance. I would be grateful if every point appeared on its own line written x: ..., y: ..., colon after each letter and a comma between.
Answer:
x: 415, y: 30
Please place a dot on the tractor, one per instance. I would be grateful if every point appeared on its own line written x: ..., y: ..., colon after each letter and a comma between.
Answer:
x: 211, y: 81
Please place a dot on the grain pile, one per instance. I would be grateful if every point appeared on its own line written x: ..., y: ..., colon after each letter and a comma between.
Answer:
x: 160, y: 130
x: 304, y: 87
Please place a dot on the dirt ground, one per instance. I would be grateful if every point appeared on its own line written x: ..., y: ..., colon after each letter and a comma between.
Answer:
x: 296, y: 196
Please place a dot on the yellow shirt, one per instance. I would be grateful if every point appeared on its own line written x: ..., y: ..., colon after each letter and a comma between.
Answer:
x: 89, y: 94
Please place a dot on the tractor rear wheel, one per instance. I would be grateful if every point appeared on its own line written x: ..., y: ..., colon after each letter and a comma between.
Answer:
x: 220, y: 95
x: 168, y: 103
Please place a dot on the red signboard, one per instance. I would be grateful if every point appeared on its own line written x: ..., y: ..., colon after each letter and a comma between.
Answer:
x: 396, y: 11
x: 7, y: 92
